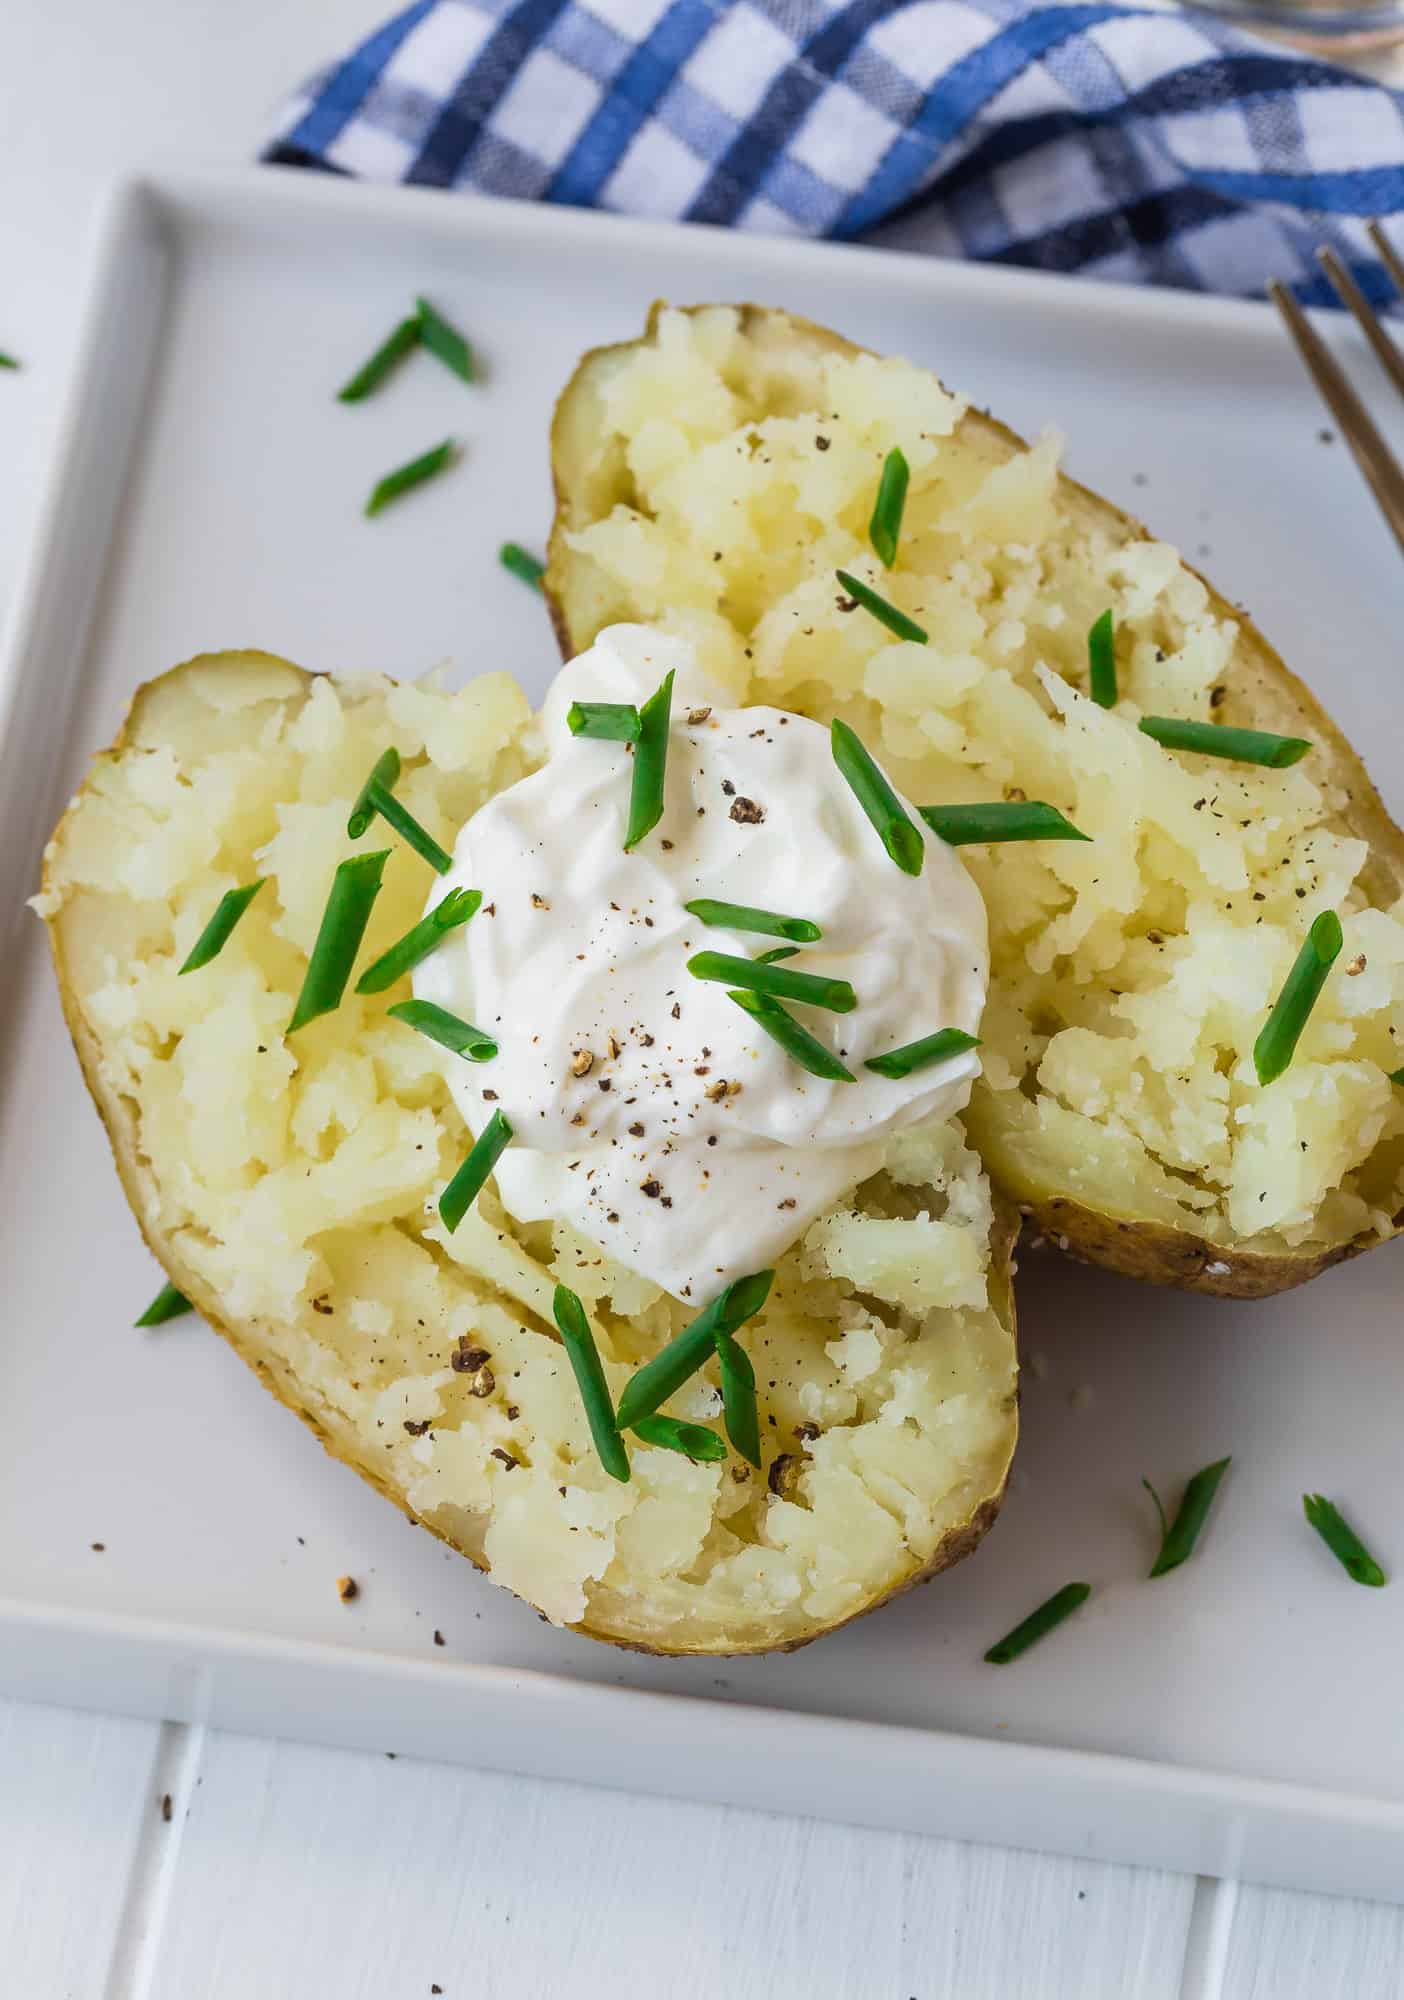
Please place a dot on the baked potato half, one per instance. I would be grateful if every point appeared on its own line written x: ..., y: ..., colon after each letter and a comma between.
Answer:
x: 288, y: 1184
x: 714, y: 474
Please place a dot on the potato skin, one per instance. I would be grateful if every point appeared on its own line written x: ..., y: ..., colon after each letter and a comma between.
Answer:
x: 1160, y: 1256
x: 117, y: 1114
x: 1260, y: 693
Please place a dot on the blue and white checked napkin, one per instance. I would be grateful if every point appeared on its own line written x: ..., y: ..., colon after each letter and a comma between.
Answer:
x: 1118, y: 141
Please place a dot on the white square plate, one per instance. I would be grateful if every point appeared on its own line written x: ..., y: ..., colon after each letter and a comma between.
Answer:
x: 1241, y: 1715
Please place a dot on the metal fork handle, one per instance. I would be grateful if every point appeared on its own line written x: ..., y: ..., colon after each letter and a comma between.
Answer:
x: 1374, y: 457
x: 1365, y: 316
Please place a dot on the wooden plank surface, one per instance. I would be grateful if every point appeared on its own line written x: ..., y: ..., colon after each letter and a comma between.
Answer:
x: 291, y: 1871
x: 308, y: 1871
x: 78, y: 1805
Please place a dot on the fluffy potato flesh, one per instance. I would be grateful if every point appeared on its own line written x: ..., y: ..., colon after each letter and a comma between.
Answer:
x: 288, y: 1185
x: 713, y: 475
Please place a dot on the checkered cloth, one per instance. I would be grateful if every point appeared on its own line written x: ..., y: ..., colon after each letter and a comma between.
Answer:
x: 1113, y: 140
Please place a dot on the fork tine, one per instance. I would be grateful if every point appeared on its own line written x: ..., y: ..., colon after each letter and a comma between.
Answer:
x: 1389, y: 256
x: 1372, y: 454
x: 1350, y: 294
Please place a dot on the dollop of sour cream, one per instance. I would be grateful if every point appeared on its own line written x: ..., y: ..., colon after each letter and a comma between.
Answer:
x: 647, y: 1108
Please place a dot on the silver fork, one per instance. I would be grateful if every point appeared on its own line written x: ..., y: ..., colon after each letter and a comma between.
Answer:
x: 1376, y: 460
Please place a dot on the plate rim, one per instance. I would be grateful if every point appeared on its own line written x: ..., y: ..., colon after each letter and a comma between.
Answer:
x: 926, y: 1780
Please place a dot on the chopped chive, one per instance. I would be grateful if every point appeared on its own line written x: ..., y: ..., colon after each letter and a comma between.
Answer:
x: 588, y: 1369
x: 1274, y: 1048
x: 1101, y: 662
x: 391, y: 351
x: 446, y: 1029
x: 1178, y: 1537
x: 522, y: 563
x: 385, y: 775
x: 651, y: 1386
x: 377, y: 796
x: 216, y: 934
x: 455, y: 909
x: 1013, y: 819
x: 946, y: 1042
x: 797, y: 1042
x: 742, y: 917
x: 1217, y: 739
x: 1052, y: 1612
x: 612, y: 721
x: 412, y: 833
x: 886, y: 524
x: 406, y: 477
x: 650, y: 765
x: 809, y: 988
x: 467, y: 1184
x: 739, y: 1407
x: 898, y: 834
x: 167, y: 1304
x: 1343, y: 1542
x: 444, y: 341
x: 885, y: 613
x: 694, y: 1441
x: 780, y: 952
x: 8, y: 361
x: 354, y: 889
x: 1396, y: 1076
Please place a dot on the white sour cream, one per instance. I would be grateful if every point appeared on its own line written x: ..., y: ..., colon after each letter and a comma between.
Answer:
x: 690, y: 1146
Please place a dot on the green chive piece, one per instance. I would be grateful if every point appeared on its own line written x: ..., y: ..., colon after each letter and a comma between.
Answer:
x: 387, y: 357
x: 612, y: 721
x: 780, y: 952
x: 377, y: 796
x: 1396, y: 1076
x: 216, y: 934
x: 886, y: 524
x: 1013, y: 819
x: 412, y: 833
x: 1101, y: 662
x: 522, y: 563
x: 1178, y: 1537
x: 885, y: 613
x: 8, y: 361
x: 467, y: 1184
x: 650, y: 765
x: 167, y: 1304
x: 385, y: 775
x: 446, y: 1029
x: 946, y: 1042
x: 1275, y: 1046
x: 443, y: 340
x: 354, y: 889
x: 1052, y: 1612
x: 778, y: 983
x: 739, y: 1407
x: 406, y: 477
x: 588, y: 1369
x: 741, y: 917
x: 1343, y: 1542
x: 898, y: 834
x: 1217, y: 739
x: 650, y: 1386
x: 694, y: 1441
x: 427, y: 935
x: 797, y: 1042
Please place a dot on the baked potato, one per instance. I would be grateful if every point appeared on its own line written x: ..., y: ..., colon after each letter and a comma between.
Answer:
x: 713, y: 475
x: 287, y: 1184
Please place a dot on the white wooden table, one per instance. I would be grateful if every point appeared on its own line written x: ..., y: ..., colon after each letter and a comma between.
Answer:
x: 145, y: 1862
